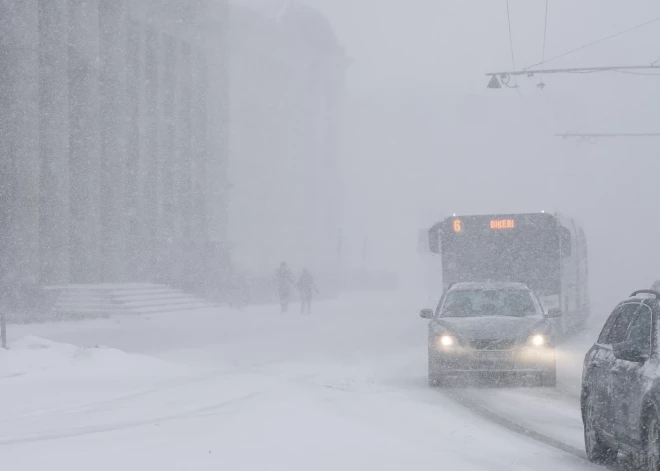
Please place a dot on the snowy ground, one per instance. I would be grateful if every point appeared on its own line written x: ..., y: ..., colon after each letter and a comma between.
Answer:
x: 344, y: 389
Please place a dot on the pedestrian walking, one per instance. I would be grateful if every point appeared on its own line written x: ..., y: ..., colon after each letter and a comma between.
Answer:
x: 284, y: 282
x: 306, y: 286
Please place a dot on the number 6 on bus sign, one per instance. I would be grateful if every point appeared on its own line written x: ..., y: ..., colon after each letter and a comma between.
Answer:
x: 457, y: 225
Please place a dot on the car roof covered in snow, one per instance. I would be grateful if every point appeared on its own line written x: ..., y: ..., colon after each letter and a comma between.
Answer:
x: 494, y: 285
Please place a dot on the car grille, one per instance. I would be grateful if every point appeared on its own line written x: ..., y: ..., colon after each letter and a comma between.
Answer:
x: 492, y: 344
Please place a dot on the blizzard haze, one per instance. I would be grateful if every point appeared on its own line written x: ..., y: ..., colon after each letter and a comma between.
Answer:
x: 428, y: 139
x: 209, y: 233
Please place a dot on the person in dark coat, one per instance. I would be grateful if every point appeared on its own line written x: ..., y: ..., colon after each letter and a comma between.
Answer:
x: 284, y: 282
x: 306, y: 286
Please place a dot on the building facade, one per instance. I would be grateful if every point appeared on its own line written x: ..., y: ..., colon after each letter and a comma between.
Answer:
x: 113, y: 141
x: 286, y: 94
x: 180, y: 142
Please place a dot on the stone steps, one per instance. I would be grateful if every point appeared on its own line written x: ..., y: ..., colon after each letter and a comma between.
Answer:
x: 106, y: 299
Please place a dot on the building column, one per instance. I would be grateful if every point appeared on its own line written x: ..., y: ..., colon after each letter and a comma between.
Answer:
x: 135, y: 170
x: 189, y: 253
x: 84, y: 144
x: 217, y: 142
x: 184, y: 147
x: 54, y: 141
x: 113, y: 16
x: 198, y: 170
x: 151, y: 243
x: 168, y: 165
x: 199, y: 144
x: 19, y: 142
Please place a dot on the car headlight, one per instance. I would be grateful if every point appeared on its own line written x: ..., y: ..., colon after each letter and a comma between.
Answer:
x: 445, y: 340
x: 538, y: 340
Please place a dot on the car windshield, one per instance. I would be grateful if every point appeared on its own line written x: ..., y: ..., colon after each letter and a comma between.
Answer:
x: 489, y: 303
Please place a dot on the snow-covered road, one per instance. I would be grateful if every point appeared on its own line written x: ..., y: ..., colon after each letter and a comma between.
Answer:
x: 344, y: 389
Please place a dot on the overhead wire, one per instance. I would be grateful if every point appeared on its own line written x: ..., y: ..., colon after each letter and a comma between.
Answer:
x: 593, y: 42
x: 584, y: 72
x: 607, y: 69
x: 628, y: 72
x: 544, y: 61
x: 513, y: 60
x: 545, y: 33
x: 526, y: 104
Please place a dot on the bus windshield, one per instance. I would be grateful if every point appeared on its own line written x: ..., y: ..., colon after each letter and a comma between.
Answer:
x: 483, y: 303
x: 530, y: 257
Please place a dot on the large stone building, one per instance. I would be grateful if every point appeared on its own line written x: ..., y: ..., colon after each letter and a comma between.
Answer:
x: 166, y: 141
x: 287, y: 79
x: 113, y: 140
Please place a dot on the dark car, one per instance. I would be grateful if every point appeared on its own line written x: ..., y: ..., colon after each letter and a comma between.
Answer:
x: 490, y: 328
x: 621, y: 385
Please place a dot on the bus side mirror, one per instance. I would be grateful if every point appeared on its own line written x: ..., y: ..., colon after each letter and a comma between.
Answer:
x: 434, y: 240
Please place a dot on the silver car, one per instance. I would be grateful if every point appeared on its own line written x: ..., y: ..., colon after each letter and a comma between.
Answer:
x: 487, y: 328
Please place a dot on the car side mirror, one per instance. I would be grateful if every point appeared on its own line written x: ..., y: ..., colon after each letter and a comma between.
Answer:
x: 629, y: 351
x: 554, y: 313
x: 426, y: 314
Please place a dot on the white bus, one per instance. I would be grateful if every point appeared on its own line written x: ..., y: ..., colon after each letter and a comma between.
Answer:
x: 547, y: 252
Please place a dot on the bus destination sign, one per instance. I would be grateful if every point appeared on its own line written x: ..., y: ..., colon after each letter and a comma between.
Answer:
x: 499, y: 224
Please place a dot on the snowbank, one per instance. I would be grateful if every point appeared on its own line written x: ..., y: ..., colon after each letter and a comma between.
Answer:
x: 37, y: 356
x: 54, y: 385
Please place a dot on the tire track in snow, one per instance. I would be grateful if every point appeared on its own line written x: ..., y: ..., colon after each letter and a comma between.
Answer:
x: 92, y: 430
x: 495, y: 418
x: 402, y: 394
x: 169, y: 385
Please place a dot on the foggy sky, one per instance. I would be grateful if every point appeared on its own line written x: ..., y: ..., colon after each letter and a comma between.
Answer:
x: 425, y: 138
x: 447, y: 45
